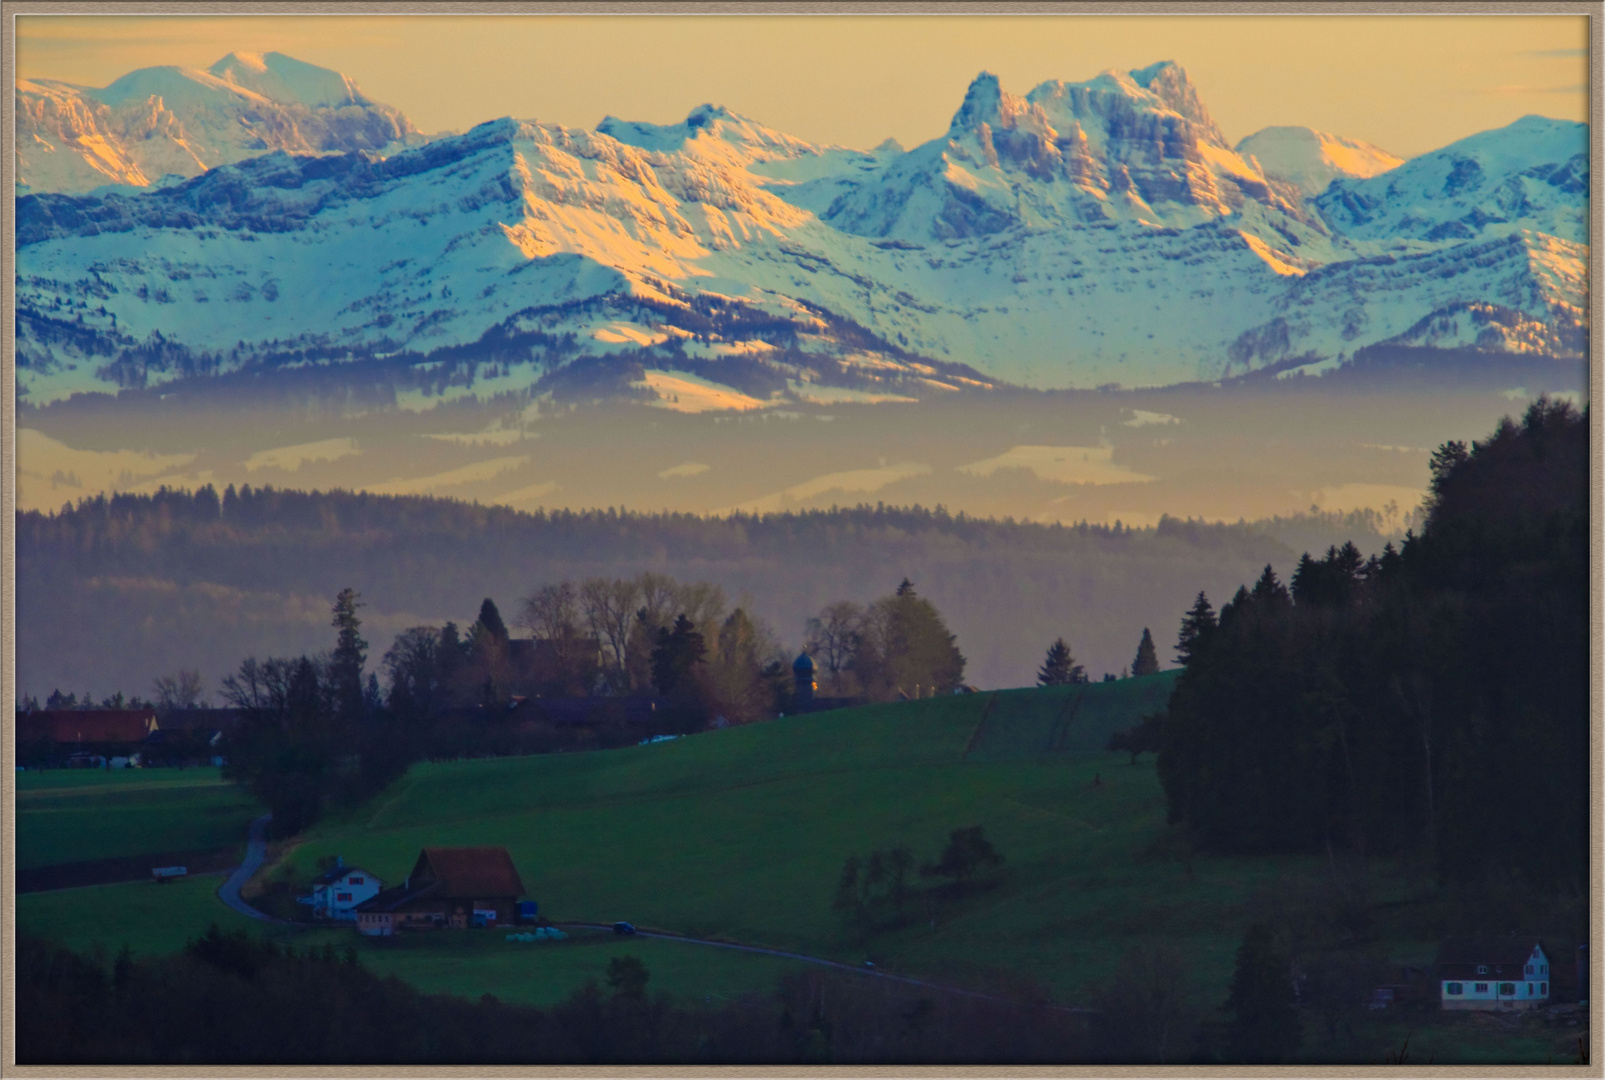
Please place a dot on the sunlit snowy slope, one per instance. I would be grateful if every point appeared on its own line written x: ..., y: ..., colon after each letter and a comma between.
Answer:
x: 1313, y: 159
x: 164, y: 122
x: 1079, y: 235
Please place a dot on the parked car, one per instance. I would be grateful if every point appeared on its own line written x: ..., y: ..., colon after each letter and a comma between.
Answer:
x: 623, y: 929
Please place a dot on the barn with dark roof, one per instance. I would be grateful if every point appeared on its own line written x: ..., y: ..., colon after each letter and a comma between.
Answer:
x: 449, y: 887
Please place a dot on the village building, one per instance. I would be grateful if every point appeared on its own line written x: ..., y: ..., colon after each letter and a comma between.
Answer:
x: 449, y: 887
x: 83, y: 737
x: 337, y: 891
x: 805, y: 696
x: 802, y: 673
x: 1493, y: 973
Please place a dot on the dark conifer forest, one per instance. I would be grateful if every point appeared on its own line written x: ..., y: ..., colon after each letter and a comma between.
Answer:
x: 1429, y: 701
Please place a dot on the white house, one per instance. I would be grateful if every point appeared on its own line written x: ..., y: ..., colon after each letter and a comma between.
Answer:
x: 337, y: 892
x: 1493, y: 973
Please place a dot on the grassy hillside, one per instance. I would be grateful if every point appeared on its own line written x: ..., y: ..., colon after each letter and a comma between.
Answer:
x: 1065, y: 719
x: 742, y: 834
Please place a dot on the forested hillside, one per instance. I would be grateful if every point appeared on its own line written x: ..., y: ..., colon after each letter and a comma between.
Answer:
x: 115, y: 592
x: 1433, y: 701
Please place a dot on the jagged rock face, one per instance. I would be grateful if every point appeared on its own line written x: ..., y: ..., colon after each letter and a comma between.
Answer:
x: 1136, y: 146
x: 160, y: 122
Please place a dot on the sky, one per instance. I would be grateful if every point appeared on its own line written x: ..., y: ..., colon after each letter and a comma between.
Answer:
x: 1408, y: 84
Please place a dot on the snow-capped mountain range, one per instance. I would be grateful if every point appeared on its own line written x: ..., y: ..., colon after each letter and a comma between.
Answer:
x: 164, y: 122
x: 1082, y: 234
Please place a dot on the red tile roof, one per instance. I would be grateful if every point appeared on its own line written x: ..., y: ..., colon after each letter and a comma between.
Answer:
x: 86, y: 725
x: 469, y: 872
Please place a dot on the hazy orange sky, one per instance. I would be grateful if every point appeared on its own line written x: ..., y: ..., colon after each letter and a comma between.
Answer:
x: 1408, y: 84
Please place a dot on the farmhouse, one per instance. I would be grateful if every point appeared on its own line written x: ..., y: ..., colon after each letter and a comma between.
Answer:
x: 337, y: 892
x: 1493, y: 973
x: 448, y: 887
x: 82, y: 736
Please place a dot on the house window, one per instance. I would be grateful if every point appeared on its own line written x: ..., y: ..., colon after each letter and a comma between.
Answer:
x: 1453, y: 989
x: 344, y: 896
x: 1529, y: 969
x: 1482, y: 988
x: 357, y: 881
x: 1482, y: 969
x: 1543, y: 989
x: 1529, y: 989
x: 1507, y: 989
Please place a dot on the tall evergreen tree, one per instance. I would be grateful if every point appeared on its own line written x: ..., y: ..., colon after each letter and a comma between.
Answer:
x: 350, y: 653
x: 677, y: 651
x: 1195, y: 628
x: 1264, y: 1028
x: 1059, y: 668
x: 1269, y: 592
x: 1147, y: 660
x: 491, y: 620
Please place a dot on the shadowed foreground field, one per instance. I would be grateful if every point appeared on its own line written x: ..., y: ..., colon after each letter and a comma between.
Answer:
x: 740, y: 835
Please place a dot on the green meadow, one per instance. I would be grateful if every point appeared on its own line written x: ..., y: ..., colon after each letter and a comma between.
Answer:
x: 147, y: 917
x: 74, y: 815
x: 740, y: 836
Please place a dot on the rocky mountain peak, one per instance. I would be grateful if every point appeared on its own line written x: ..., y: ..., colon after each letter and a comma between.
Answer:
x: 983, y: 103
x: 1168, y: 81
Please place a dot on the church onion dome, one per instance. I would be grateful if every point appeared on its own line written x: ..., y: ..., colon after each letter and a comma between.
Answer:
x: 804, y: 665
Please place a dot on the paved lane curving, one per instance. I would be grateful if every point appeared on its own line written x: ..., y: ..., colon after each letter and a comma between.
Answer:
x: 255, y: 856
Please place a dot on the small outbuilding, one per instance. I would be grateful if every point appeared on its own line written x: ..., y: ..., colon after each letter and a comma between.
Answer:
x: 1493, y: 973
x: 449, y: 887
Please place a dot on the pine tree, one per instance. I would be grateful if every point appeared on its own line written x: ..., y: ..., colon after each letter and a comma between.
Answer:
x: 677, y: 651
x: 1269, y: 593
x: 1147, y: 660
x: 350, y: 652
x: 1059, y: 668
x: 491, y: 620
x: 1264, y: 1028
x: 1195, y: 628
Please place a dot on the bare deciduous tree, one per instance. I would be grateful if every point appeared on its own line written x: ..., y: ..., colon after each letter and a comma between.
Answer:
x: 609, y: 606
x: 182, y: 690
x: 833, y: 635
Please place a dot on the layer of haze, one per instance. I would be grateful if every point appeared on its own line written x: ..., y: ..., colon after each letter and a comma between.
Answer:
x: 1409, y: 84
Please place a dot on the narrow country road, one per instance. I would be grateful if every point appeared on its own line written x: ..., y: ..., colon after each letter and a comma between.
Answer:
x: 255, y: 856
x: 822, y: 962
